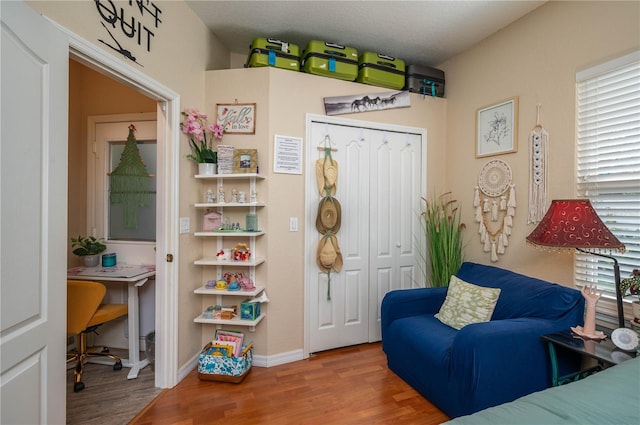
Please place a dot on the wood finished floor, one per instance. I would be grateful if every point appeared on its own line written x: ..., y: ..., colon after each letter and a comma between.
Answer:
x: 109, y: 398
x: 350, y: 385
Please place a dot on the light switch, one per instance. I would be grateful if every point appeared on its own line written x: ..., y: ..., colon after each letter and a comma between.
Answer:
x: 293, y: 224
x: 184, y: 225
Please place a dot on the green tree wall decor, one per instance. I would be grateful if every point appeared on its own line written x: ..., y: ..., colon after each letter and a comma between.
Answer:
x: 130, y: 182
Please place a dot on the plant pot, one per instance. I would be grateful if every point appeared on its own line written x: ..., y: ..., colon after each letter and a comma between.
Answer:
x: 635, y: 308
x: 91, y: 260
x: 207, y: 169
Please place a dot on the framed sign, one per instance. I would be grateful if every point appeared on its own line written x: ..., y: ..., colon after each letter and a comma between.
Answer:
x: 287, y: 155
x: 236, y: 118
x: 245, y: 161
x: 497, y: 128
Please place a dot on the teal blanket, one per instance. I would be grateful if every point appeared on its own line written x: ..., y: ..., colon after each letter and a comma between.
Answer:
x: 608, y: 397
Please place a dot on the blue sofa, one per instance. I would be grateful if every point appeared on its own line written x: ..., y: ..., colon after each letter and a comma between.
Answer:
x: 482, y: 364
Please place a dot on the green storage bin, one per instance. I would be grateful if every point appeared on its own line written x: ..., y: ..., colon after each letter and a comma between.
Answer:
x: 249, y: 311
x: 273, y: 52
x: 330, y: 60
x: 381, y: 70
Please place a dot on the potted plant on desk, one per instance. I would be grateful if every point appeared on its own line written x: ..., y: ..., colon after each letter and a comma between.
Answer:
x: 88, y: 248
x: 632, y: 285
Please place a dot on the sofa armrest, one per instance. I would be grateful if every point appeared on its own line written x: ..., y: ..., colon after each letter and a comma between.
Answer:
x: 507, y: 354
x: 410, y: 302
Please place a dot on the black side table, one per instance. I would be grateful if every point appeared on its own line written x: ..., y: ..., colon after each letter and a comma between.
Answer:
x: 603, y: 351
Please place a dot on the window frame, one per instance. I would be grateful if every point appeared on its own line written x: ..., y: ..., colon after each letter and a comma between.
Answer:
x: 612, y: 182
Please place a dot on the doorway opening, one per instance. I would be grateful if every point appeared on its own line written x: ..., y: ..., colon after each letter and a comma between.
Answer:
x: 166, y: 108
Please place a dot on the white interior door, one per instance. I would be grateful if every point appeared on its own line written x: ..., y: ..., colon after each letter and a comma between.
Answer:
x: 381, y: 179
x: 343, y: 319
x: 33, y: 194
x: 396, y: 185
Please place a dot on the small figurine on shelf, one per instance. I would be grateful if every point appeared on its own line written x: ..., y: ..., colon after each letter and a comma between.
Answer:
x: 246, y: 283
x: 242, y: 197
x: 223, y: 255
x: 210, y: 197
x: 241, y: 252
x: 254, y: 196
x: 234, y: 196
x: 208, y: 313
x: 221, y: 195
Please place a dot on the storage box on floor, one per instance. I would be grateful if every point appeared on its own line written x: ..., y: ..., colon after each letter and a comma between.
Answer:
x: 330, y: 60
x: 381, y: 70
x: 273, y: 52
x: 425, y: 80
x: 214, y: 366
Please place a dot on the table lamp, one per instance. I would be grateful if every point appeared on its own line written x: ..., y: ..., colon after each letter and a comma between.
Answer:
x: 574, y: 224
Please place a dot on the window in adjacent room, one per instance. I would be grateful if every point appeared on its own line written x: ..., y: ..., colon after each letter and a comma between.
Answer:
x: 608, y: 163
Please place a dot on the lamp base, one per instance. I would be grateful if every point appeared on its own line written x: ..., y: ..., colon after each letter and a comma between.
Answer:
x: 578, y: 330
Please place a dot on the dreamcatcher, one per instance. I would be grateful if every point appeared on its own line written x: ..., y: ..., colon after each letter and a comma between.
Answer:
x: 495, y: 206
x: 538, y: 172
x: 328, y: 220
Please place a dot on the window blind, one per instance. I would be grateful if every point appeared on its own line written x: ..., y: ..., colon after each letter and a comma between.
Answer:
x: 608, y: 162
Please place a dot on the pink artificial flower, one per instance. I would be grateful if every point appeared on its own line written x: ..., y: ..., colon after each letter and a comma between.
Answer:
x: 217, y: 130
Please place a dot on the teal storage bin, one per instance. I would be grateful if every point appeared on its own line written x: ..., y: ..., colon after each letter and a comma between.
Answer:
x: 249, y: 311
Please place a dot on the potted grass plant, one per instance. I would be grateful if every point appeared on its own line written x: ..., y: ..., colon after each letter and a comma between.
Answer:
x: 443, y: 232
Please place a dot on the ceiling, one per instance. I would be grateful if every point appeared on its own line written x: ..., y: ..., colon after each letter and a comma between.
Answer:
x: 419, y: 32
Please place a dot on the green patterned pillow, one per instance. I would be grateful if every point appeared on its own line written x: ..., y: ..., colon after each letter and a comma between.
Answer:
x: 467, y: 303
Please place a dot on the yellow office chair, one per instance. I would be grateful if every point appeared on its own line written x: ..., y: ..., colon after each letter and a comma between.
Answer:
x: 85, y: 314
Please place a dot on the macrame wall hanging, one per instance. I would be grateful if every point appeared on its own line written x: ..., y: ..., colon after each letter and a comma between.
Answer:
x: 538, y: 172
x: 329, y: 256
x: 130, y: 182
x: 495, y: 206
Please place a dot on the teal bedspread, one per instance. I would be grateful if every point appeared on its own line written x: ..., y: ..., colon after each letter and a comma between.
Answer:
x: 608, y: 397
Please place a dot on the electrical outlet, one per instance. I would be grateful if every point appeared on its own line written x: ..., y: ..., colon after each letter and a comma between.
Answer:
x: 293, y: 224
x: 184, y: 225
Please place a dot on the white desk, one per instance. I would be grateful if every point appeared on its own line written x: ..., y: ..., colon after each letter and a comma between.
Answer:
x: 135, y: 277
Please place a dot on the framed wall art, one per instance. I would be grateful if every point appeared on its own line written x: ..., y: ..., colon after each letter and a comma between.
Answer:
x: 245, y: 161
x: 236, y: 118
x: 497, y: 128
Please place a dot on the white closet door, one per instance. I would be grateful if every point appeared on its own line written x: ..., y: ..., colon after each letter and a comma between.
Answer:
x: 342, y: 320
x: 395, y: 187
x: 380, y: 174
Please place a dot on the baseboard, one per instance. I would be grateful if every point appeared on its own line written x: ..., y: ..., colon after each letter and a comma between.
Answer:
x: 277, y: 359
x: 188, y: 367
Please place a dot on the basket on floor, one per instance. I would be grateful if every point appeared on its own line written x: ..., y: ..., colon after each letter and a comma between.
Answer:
x: 215, y: 367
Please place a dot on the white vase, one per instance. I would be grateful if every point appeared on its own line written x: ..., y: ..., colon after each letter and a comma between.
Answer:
x: 90, y: 260
x: 207, y: 168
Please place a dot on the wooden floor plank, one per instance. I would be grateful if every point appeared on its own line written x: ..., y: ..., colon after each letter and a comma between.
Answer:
x: 351, y: 385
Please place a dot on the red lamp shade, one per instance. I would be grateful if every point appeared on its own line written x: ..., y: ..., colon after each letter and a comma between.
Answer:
x: 573, y: 223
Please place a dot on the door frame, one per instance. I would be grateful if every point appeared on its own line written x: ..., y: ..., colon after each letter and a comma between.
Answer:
x: 168, y: 118
x: 310, y: 184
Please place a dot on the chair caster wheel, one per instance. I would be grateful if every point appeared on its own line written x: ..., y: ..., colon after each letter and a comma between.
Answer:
x: 117, y: 366
x: 78, y: 386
